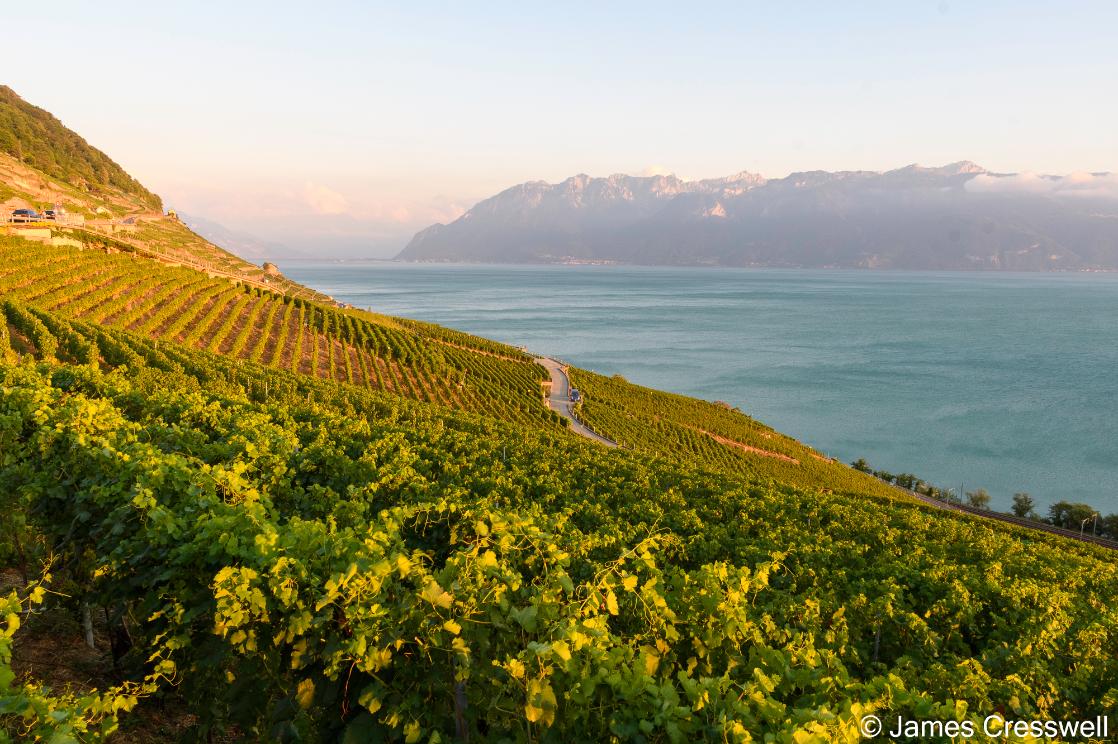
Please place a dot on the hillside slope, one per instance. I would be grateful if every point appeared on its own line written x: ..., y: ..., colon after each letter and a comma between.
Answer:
x: 36, y: 138
x: 120, y: 222
x: 243, y: 322
x: 44, y: 165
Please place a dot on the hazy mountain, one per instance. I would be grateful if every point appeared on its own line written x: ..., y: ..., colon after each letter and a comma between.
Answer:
x: 959, y: 216
x: 243, y: 244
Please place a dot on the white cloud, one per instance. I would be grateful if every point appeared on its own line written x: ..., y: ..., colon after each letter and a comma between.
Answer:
x: 324, y: 200
x: 1097, y: 185
x: 657, y: 170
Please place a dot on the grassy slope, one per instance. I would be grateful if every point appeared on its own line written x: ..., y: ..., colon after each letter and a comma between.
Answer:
x: 106, y: 214
x: 42, y: 163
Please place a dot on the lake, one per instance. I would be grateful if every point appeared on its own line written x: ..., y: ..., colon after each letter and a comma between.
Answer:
x: 1004, y: 381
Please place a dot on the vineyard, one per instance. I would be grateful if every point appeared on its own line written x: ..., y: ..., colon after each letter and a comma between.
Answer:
x: 245, y: 323
x: 688, y: 430
x: 170, y: 241
x: 281, y: 557
x: 417, y: 360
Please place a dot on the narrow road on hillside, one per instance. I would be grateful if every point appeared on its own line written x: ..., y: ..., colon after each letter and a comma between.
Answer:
x: 559, y: 400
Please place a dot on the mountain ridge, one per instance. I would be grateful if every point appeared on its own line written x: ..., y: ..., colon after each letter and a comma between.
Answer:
x: 957, y: 216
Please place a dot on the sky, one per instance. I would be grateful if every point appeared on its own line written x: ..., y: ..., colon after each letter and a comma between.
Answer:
x: 342, y: 128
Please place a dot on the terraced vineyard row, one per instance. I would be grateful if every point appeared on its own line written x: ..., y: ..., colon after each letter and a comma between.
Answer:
x: 722, y: 439
x: 186, y: 307
x: 169, y: 241
x: 451, y: 337
x: 28, y: 332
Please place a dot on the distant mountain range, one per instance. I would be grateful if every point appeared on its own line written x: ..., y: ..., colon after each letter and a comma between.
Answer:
x: 958, y: 216
x: 241, y: 243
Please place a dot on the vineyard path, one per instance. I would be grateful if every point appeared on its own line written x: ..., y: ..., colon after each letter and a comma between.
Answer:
x: 560, y: 402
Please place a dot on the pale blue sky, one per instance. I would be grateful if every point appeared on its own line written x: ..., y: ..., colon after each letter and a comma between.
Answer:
x: 349, y: 126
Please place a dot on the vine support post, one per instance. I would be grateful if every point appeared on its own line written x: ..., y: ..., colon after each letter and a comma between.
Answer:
x: 87, y: 625
x: 461, y: 731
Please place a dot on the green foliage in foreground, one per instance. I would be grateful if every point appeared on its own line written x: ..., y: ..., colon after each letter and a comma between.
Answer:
x: 350, y: 569
x: 28, y: 711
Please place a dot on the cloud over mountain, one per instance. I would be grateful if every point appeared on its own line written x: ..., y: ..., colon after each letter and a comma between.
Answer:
x: 1096, y: 185
x: 324, y: 200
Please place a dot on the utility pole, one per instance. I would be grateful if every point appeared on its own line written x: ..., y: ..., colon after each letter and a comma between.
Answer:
x: 1094, y: 527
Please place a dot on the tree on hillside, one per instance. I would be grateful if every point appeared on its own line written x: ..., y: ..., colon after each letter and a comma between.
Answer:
x: 861, y: 464
x: 1023, y: 505
x: 1069, y: 515
x: 979, y: 498
x: 1108, y: 526
x: 906, y: 480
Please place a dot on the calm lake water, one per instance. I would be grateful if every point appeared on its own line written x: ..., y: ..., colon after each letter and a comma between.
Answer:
x: 1005, y: 381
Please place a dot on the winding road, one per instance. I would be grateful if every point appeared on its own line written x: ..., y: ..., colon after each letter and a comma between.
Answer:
x: 559, y: 400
